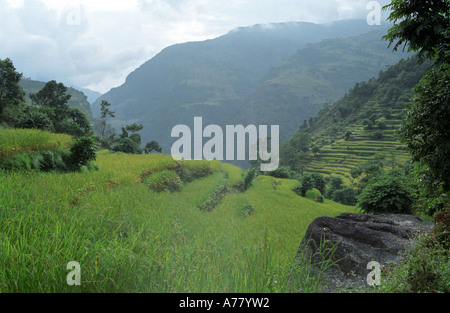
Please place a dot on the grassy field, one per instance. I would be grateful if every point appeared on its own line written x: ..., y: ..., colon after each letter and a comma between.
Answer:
x: 128, y: 237
x: 16, y: 141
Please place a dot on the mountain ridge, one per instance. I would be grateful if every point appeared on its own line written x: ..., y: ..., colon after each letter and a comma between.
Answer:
x: 211, y: 78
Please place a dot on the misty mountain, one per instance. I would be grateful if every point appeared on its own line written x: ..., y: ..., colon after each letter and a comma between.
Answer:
x: 298, y: 87
x: 245, y: 76
x: 91, y: 95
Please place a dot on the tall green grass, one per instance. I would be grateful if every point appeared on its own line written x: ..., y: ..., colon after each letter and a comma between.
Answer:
x: 130, y: 238
x: 16, y: 141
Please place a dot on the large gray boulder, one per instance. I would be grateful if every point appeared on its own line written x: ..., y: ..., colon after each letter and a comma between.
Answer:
x: 360, y: 239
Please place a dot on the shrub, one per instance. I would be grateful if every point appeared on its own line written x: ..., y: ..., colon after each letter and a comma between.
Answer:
x: 388, y: 193
x: 336, y: 183
x: 189, y: 171
x: 314, y: 194
x: 127, y: 145
x: 249, y: 177
x: 18, y: 162
x: 345, y: 196
x: 82, y: 151
x: 377, y: 135
x: 426, y: 269
x: 45, y: 161
x: 166, y: 180
x: 35, y: 119
x: 280, y: 172
x: 319, y: 182
x: 307, y: 184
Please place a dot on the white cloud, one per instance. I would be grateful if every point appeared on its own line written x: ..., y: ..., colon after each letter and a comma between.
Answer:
x: 96, y: 44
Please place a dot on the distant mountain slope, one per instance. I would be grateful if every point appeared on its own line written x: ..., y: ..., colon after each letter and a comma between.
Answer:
x: 360, y: 126
x: 320, y: 73
x: 90, y: 94
x: 214, y: 78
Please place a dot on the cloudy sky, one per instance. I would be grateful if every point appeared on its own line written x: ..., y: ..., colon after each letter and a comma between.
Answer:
x: 95, y: 44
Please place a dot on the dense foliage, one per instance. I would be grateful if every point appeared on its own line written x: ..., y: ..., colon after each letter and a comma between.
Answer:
x: 424, y: 27
x: 11, y: 94
x: 426, y: 126
x: 387, y: 193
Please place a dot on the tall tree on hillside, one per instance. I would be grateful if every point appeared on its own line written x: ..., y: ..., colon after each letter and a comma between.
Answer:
x: 152, y: 146
x: 11, y: 93
x: 52, y: 100
x: 424, y: 26
x: 53, y: 95
x: 106, y: 114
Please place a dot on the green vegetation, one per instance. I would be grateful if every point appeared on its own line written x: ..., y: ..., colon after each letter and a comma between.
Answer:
x: 148, y: 223
x: 387, y: 193
x: 33, y: 149
x: 16, y: 141
x: 358, y: 128
x: 425, y: 270
x: 130, y: 238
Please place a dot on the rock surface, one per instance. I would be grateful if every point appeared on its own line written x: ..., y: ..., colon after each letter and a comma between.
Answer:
x: 360, y: 239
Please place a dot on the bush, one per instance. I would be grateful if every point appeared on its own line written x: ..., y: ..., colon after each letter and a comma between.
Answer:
x: 166, y: 180
x: 345, y: 196
x: 34, y: 119
x: 426, y: 269
x: 336, y: 183
x: 190, y: 170
x: 82, y: 151
x: 127, y: 145
x: 280, y: 172
x: 314, y: 194
x: 377, y: 135
x: 18, y: 162
x: 249, y: 177
x: 388, y: 193
x: 307, y: 184
x: 319, y: 183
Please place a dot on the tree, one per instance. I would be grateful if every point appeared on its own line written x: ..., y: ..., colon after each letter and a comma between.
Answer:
x: 345, y: 196
x: 319, y: 182
x: 82, y: 151
x: 336, y: 183
x: 425, y: 128
x: 152, y: 146
x: 307, y: 184
x: 53, y: 95
x: 106, y: 114
x: 422, y: 25
x: 31, y: 117
x: 295, y: 153
x: 11, y: 93
x: 134, y: 127
x: 129, y: 143
x: 76, y: 123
